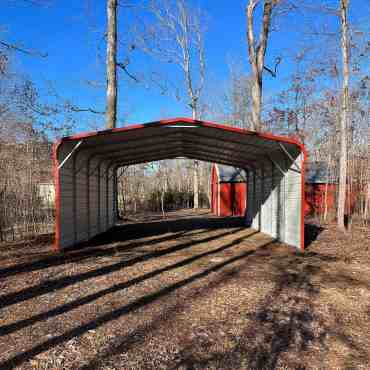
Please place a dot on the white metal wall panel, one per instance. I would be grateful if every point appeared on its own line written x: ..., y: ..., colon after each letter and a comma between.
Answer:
x: 293, y: 203
x: 66, y: 198
x: 94, y: 197
x: 257, y: 199
x: 276, y: 212
x: 266, y: 206
x: 270, y: 205
x: 275, y: 200
x: 79, y: 199
x: 86, y: 199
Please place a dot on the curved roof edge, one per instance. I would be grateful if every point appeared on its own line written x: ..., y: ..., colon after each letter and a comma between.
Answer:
x: 182, y: 120
x: 230, y: 174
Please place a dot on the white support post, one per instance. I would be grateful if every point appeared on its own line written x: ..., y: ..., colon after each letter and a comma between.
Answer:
x: 70, y: 154
x: 290, y: 156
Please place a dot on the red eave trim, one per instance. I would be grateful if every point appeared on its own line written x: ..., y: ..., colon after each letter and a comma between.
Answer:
x: 180, y: 120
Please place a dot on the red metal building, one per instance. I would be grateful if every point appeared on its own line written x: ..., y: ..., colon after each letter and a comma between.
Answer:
x: 229, y: 191
x: 321, y: 189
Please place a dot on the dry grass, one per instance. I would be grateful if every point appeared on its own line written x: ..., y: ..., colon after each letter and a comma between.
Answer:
x: 190, y: 293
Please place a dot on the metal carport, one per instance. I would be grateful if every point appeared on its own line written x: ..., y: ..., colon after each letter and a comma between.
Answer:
x: 85, y: 168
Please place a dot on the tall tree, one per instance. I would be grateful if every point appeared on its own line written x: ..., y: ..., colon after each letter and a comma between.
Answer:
x: 257, y: 53
x: 176, y: 37
x: 344, y: 114
x: 111, y: 111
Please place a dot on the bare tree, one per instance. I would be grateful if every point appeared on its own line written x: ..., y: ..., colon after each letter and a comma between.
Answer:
x: 344, y: 115
x: 257, y: 53
x: 111, y: 112
x: 177, y: 38
x: 26, y: 202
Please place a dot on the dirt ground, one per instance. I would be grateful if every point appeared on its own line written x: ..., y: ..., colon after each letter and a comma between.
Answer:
x: 190, y: 292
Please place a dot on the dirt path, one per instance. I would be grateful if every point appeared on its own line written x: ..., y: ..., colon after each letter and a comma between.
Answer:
x: 191, y: 292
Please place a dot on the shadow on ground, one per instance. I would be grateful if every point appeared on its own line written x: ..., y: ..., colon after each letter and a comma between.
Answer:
x: 53, y: 285
x: 283, y: 327
x: 163, y: 226
x: 101, y: 245
x: 286, y: 330
x: 311, y: 233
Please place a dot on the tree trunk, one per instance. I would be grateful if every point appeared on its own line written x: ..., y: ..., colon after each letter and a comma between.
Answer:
x: 344, y: 116
x: 256, y: 102
x: 257, y: 53
x: 111, y: 112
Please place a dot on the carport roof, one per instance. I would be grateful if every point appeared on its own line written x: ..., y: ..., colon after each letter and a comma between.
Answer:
x: 182, y: 137
x: 231, y: 174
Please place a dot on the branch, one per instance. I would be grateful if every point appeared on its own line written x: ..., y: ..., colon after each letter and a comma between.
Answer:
x: 22, y: 50
x: 126, y: 5
x: 3, y: 109
x: 38, y: 3
x: 162, y: 83
x: 123, y: 66
x: 73, y: 108
x: 95, y: 84
x: 273, y: 72
x: 43, y: 111
x: 321, y: 8
x: 318, y: 33
x: 3, y: 63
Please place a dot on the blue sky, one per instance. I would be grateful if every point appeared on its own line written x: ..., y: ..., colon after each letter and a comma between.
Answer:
x: 71, y: 31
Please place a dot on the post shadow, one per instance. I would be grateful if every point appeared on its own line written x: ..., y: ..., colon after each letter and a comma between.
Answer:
x: 7, y: 329
x: 121, y: 233
x: 143, y: 301
x: 57, y: 284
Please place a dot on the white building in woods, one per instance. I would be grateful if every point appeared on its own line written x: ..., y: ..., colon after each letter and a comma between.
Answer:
x: 47, y: 193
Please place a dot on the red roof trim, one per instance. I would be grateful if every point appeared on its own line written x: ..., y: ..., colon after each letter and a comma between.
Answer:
x: 174, y: 121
